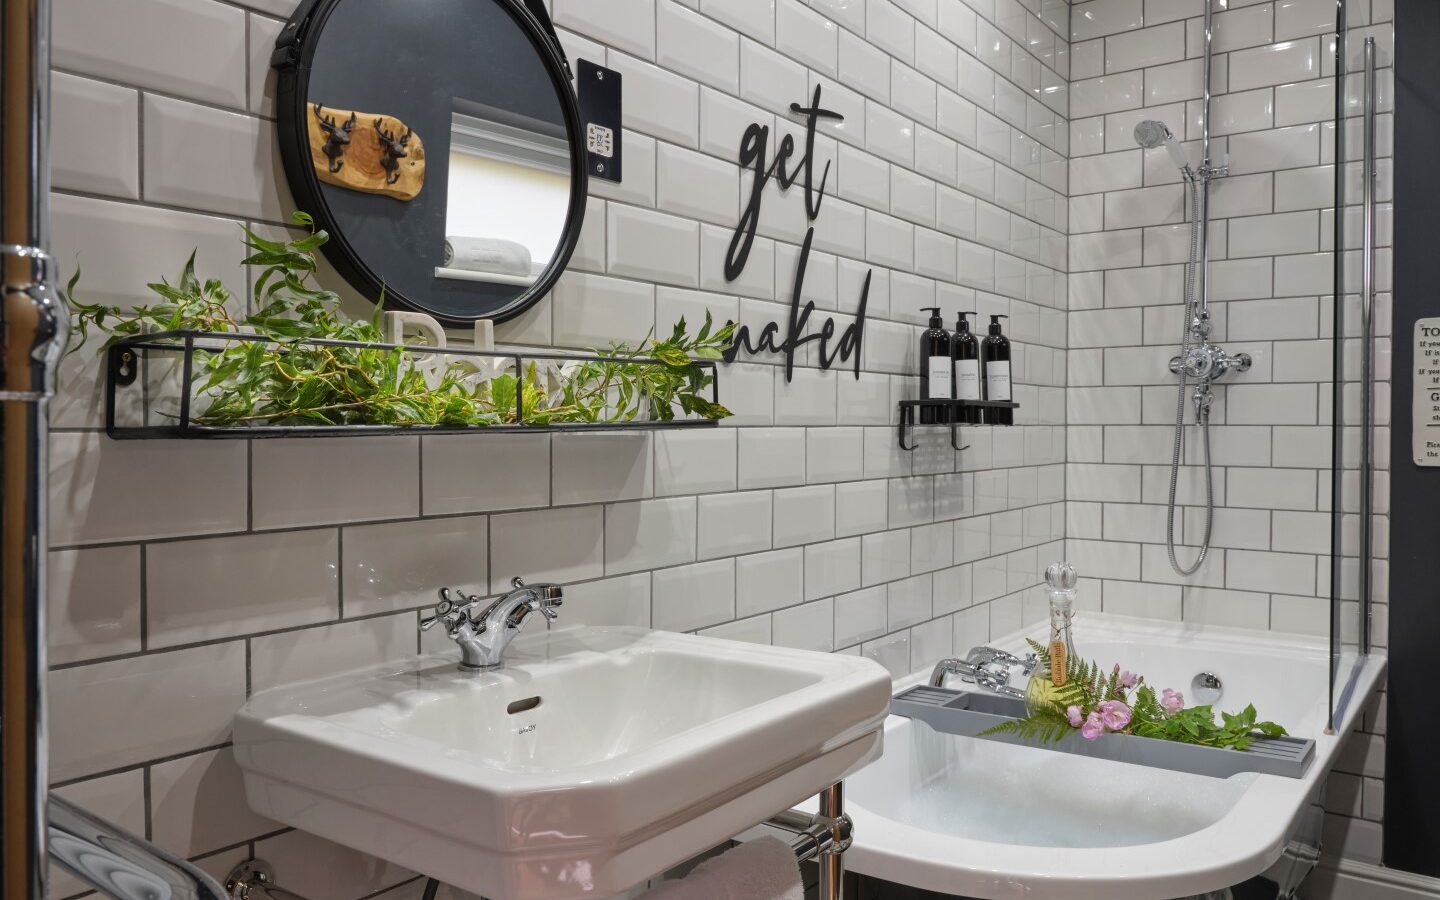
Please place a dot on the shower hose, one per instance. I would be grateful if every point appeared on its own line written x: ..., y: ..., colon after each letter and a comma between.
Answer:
x: 1202, y: 410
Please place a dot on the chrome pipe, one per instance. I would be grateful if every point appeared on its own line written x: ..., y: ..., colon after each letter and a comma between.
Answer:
x: 33, y: 323
x: 1367, y: 338
x: 120, y: 864
x: 254, y: 879
x: 1202, y: 314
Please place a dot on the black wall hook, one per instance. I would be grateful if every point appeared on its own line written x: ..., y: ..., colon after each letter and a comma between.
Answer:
x: 337, y: 137
x: 394, y: 150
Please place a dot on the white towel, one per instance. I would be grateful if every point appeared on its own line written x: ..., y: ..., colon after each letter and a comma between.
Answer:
x: 762, y: 869
x: 476, y: 254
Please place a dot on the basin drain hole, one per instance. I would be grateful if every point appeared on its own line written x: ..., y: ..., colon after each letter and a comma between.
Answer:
x: 525, y: 705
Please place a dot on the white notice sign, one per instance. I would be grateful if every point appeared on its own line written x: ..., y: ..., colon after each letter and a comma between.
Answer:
x: 1426, y: 424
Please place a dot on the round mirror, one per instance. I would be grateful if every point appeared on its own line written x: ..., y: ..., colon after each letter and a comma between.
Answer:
x: 439, y: 143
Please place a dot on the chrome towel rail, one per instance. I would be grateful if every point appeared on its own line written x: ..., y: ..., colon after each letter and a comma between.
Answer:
x: 120, y: 864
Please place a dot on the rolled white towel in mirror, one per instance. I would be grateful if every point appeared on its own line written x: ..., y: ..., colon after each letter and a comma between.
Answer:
x: 477, y: 254
x: 762, y: 869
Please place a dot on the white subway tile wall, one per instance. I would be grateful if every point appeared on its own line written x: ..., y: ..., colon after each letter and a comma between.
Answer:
x: 958, y: 178
x: 1273, y: 112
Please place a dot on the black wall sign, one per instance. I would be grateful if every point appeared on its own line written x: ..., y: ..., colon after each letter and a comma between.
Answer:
x: 752, y: 156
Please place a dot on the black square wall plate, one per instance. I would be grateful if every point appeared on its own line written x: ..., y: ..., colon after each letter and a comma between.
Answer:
x: 599, y: 92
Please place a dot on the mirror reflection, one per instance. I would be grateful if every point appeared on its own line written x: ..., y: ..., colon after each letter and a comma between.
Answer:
x: 446, y: 174
x: 509, y: 189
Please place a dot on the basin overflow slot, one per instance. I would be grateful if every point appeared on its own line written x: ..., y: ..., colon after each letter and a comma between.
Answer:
x: 520, y: 706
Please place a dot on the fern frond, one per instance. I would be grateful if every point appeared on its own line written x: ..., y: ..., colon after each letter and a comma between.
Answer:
x: 1072, y: 694
x: 1046, y: 726
x: 1145, y: 705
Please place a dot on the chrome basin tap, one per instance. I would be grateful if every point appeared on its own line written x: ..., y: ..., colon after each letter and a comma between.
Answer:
x: 484, y: 632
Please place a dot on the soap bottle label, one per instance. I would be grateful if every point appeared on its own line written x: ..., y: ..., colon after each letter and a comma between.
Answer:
x: 967, y: 379
x: 997, y: 380
x: 940, y: 378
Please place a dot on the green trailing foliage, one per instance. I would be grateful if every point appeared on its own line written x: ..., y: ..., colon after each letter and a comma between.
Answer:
x: 284, y: 381
x: 1196, y: 724
x: 1090, y: 689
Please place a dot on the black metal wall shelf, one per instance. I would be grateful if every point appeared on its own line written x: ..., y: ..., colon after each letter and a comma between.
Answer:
x: 128, y: 361
x: 947, y: 412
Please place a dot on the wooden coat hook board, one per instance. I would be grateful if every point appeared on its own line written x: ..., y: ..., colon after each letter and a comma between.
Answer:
x: 369, y: 152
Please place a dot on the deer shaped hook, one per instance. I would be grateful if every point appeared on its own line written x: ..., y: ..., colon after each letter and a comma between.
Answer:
x: 394, y: 150
x: 337, y: 137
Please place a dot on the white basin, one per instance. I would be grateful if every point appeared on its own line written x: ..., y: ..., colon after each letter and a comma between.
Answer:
x: 984, y: 819
x: 645, y: 748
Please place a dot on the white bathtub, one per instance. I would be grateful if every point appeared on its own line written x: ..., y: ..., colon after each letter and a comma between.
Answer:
x: 989, y: 820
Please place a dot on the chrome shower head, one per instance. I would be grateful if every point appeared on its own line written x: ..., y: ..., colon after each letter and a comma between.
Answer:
x: 1152, y: 133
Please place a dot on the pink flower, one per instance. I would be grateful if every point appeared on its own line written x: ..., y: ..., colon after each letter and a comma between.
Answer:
x: 1128, y: 680
x: 1093, y: 727
x: 1114, y: 715
x: 1173, y: 701
x: 1075, y: 716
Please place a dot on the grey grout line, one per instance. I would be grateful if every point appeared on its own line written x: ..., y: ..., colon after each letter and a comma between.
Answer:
x: 168, y: 207
x: 149, y: 802
x: 340, y: 572
x: 250, y: 486
x: 139, y: 766
x: 144, y: 600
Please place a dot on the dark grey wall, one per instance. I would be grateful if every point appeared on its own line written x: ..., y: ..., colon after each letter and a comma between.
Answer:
x: 1412, y: 778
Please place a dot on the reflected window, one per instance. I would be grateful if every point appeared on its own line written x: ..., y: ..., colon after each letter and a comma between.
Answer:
x: 508, y: 196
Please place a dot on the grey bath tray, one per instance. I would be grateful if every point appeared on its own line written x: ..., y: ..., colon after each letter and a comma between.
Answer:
x: 968, y: 713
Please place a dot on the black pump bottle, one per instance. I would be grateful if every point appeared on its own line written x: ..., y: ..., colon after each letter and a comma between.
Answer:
x: 936, y: 378
x: 965, y: 351
x: 995, y: 361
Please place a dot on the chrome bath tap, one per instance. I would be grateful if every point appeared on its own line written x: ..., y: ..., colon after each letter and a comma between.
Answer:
x: 987, y: 667
x: 484, y: 632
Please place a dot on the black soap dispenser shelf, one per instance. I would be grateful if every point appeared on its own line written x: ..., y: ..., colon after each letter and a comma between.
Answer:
x: 949, y: 414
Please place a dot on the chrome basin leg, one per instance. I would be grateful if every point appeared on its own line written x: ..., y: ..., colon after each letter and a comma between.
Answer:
x: 823, y: 837
x: 832, y: 861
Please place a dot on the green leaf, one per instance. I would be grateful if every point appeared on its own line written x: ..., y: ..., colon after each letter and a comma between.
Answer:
x: 255, y: 241
x: 188, y: 283
x: 70, y: 285
x: 671, y: 356
x: 313, y: 242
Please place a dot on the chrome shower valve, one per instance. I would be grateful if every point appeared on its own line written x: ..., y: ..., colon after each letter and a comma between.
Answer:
x: 1209, y: 172
x: 1209, y: 363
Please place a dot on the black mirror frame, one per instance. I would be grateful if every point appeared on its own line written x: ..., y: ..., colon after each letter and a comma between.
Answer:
x: 294, y: 53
